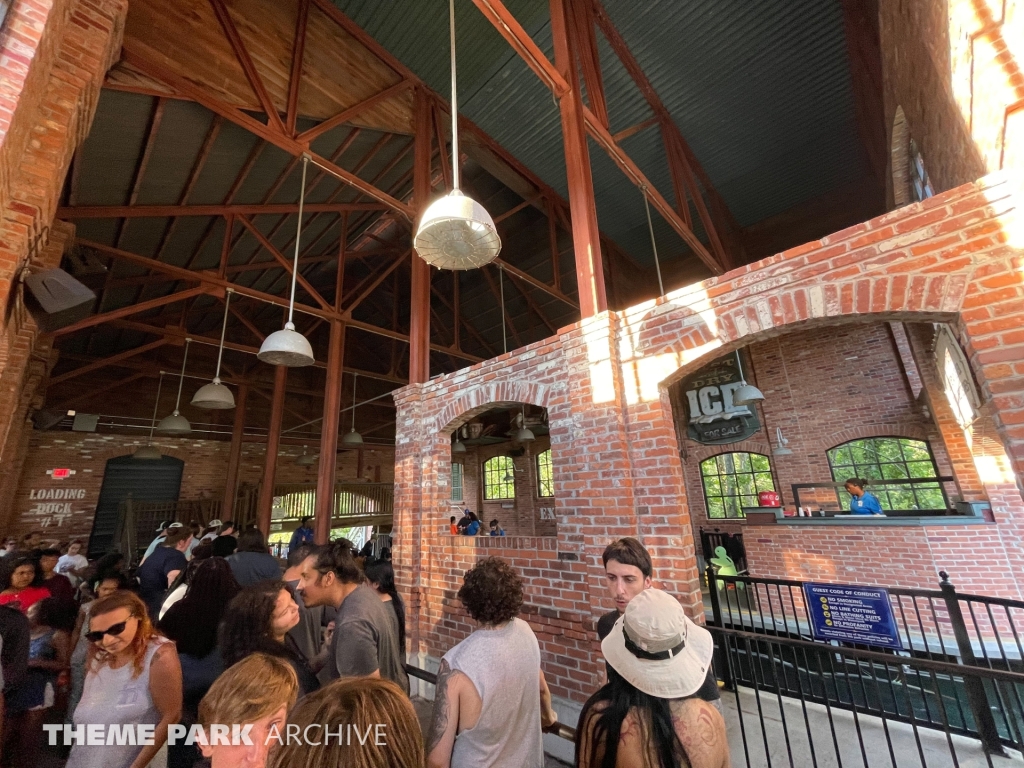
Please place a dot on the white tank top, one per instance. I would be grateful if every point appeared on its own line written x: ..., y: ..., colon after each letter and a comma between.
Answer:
x: 504, y: 666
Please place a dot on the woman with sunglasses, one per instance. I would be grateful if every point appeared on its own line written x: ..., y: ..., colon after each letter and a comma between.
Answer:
x: 133, y: 678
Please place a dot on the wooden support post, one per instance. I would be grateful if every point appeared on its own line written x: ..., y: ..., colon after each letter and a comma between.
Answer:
x: 419, y: 308
x: 266, y: 500
x: 235, y: 455
x: 329, y: 434
x: 583, y: 210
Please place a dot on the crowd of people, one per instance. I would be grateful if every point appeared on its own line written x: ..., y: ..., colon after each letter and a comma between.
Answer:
x: 470, y: 524
x: 309, y: 657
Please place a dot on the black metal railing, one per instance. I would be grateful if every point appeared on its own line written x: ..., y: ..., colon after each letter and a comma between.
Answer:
x: 967, y: 632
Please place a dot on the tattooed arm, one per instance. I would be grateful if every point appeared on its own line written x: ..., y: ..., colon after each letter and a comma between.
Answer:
x: 445, y: 721
x: 701, y: 730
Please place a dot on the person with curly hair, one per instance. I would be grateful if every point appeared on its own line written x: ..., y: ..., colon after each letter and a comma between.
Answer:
x: 365, y: 641
x: 378, y: 708
x: 258, y: 620
x: 22, y: 583
x: 488, y: 714
x: 133, y: 677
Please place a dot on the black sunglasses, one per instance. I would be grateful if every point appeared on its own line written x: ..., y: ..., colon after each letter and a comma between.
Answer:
x: 113, y: 631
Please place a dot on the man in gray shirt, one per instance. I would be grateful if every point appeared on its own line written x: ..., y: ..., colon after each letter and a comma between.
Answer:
x: 365, y: 640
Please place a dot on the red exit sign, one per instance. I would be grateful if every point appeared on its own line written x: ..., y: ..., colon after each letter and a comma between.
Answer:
x: 61, y: 474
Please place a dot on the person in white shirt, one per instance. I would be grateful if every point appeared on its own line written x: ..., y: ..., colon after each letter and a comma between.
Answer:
x: 73, y: 564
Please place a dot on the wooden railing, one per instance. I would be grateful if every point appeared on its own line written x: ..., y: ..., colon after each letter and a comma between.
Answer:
x: 352, y: 501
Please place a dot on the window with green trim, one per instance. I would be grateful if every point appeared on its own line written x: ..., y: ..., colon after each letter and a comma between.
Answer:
x: 499, y: 478
x: 733, y: 480
x: 457, y: 471
x: 890, y: 458
x: 545, y: 479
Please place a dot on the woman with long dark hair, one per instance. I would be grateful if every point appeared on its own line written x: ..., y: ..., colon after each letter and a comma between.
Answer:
x: 252, y: 562
x: 257, y: 621
x: 648, y: 714
x: 21, y: 582
x: 381, y: 576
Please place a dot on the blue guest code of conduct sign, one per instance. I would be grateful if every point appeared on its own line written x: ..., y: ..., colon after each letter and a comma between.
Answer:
x: 852, y: 614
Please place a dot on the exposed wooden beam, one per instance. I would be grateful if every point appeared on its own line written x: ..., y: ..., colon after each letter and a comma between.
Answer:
x: 286, y: 143
x: 625, y: 133
x: 161, y: 211
x: 313, y: 292
x: 295, y: 76
x: 533, y: 304
x: 355, y: 110
x: 248, y: 65
x: 107, y: 361
x: 131, y: 309
x: 538, y: 284
x: 371, y: 283
x: 506, y: 319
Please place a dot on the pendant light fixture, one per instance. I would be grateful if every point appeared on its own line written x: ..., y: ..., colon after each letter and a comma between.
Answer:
x: 524, y: 435
x: 458, y: 446
x: 353, y: 437
x: 150, y: 452
x: 781, y: 443
x: 176, y: 424
x: 215, y: 396
x: 306, y: 460
x: 747, y: 393
x: 456, y: 232
x: 288, y: 347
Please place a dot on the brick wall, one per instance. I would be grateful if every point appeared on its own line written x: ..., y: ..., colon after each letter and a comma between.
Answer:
x: 204, y: 472
x: 604, y: 383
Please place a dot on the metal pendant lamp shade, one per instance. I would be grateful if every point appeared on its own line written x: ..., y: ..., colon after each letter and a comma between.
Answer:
x: 747, y: 393
x: 215, y: 396
x: 458, y: 446
x: 176, y: 424
x: 456, y: 232
x: 353, y: 437
x: 524, y: 435
x: 781, y: 443
x: 306, y: 460
x: 287, y: 347
x: 149, y: 452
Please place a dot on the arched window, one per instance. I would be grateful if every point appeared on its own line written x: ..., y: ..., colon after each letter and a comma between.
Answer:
x: 733, y: 480
x: 499, y: 478
x: 545, y: 479
x: 890, y: 458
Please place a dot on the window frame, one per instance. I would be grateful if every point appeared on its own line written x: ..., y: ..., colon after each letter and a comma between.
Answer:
x: 461, y: 485
x: 842, y: 471
x: 550, y: 482
x: 488, y: 483
x: 723, y: 497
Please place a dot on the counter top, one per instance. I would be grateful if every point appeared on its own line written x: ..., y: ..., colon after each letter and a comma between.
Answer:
x: 775, y: 516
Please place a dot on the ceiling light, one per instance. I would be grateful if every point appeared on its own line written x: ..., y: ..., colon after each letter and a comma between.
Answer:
x: 781, y: 449
x: 149, y: 452
x: 523, y: 435
x: 746, y: 394
x: 215, y: 396
x: 353, y: 437
x: 456, y: 232
x: 306, y: 460
x: 458, y: 447
x: 176, y: 424
x: 287, y: 347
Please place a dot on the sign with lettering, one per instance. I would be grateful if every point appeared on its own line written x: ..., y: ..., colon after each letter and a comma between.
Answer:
x: 53, y: 505
x: 852, y: 614
x: 712, y: 416
x: 60, y: 474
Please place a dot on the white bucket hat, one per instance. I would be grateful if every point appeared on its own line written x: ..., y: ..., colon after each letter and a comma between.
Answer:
x: 657, y: 649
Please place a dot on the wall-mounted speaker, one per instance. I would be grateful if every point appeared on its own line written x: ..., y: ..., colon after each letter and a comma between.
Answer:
x: 56, y: 299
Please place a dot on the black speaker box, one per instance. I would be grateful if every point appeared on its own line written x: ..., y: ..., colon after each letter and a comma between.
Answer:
x: 56, y: 299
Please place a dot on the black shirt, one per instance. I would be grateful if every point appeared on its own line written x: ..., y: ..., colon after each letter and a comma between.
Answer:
x: 14, y: 630
x: 708, y: 691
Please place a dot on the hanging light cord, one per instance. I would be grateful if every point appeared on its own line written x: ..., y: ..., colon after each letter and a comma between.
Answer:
x: 501, y: 291
x: 455, y: 102
x: 298, y: 234
x: 654, y: 244
x: 355, y: 376
x: 223, y: 330
x: 181, y: 381
x: 156, y: 406
x: 739, y: 364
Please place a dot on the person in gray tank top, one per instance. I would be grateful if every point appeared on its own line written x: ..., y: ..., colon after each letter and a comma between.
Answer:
x: 492, y: 700
x: 133, y: 678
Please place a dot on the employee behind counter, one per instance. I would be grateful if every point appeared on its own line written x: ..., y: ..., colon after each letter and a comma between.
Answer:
x: 862, y: 502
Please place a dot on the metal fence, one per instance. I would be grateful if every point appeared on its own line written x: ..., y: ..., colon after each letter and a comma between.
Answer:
x: 977, y: 689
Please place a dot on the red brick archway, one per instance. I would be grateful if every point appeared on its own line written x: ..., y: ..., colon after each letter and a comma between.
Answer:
x: 950, y: 259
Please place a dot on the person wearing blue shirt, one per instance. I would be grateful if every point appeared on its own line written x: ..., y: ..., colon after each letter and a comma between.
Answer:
x: 496, y: 529
x: 474, y: 525
x: 302, y: 535
x: 862, y: 502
